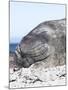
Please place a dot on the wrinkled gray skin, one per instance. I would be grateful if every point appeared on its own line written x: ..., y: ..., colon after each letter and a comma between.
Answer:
x: 46, y: 42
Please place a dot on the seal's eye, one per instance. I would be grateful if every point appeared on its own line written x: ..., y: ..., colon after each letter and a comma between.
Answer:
x: 25, y: 38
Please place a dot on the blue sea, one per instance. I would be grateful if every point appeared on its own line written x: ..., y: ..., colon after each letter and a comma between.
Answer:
x: 12, y: 47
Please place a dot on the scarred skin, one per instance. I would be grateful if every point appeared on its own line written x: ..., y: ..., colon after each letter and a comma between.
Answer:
x: 47, y: 41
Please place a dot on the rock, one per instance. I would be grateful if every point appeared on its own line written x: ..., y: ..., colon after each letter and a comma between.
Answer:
x: 31, y: 77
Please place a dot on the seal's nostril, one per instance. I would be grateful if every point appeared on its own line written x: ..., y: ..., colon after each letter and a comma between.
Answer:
x: 14, y: 70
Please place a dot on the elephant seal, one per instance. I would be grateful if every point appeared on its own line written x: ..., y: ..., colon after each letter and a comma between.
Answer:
x: 45, y: 42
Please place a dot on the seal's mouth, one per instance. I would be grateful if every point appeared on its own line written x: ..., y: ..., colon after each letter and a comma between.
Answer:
x: 16, y: 69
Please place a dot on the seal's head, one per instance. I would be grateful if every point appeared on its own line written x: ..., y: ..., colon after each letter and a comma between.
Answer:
x: 32, y: 48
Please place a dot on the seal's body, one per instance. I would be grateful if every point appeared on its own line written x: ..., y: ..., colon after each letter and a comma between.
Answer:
x: 46, y: 40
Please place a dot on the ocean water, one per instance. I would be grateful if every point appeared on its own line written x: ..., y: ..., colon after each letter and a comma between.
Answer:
x: 12, y: 47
